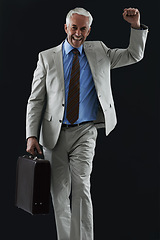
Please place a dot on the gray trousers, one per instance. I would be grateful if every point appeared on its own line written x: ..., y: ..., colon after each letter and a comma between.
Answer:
x: 71, y: 164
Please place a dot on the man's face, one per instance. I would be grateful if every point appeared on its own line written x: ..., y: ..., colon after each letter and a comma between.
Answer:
x: 78, y: 30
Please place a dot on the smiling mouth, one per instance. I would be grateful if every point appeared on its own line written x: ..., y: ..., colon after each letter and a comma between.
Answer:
x: 77, y: 39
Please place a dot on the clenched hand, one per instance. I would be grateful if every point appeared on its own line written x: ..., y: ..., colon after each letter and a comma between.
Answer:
x: 132, y: 16
x: 32, y: 145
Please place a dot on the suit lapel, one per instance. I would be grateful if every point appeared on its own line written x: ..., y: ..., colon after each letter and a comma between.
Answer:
x: 58, y: 59
x: 91, y: 57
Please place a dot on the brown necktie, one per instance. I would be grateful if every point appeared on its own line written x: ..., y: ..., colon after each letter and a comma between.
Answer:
x: 73, y: 94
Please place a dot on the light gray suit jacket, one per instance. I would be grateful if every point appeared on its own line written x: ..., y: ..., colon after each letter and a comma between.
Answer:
x: 45, y: 108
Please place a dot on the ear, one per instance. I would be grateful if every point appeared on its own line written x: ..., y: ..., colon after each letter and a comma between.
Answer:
x: 65, y: 28
x: 89, y: 31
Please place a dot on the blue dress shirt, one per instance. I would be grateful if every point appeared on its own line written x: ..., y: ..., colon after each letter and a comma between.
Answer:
x: 88, y: 105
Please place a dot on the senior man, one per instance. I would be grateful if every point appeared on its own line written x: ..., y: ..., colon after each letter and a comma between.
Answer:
x: 71, y: 97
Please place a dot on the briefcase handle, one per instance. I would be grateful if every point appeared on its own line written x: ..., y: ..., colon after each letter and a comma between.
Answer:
x: 36, y: 157
x: 31, y: 157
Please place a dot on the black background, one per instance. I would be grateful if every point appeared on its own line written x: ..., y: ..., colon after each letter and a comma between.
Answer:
x: 125, y: 174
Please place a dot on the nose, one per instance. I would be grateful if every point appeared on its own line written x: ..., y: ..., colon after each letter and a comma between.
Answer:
x: 78, y: 32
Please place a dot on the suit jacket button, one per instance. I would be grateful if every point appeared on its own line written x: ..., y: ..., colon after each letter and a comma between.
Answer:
x: 60, y: 121
x: 63, y: 105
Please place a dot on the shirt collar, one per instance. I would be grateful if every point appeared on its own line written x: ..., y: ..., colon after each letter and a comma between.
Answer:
x: 68, y: 48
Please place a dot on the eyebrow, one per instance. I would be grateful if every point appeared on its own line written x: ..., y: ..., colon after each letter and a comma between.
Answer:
x: 74, y: 25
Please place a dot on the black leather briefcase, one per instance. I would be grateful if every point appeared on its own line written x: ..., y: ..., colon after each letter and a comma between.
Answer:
x: 33, y: 185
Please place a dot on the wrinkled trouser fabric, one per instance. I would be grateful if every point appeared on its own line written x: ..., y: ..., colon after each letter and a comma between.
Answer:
x: 71, y: 166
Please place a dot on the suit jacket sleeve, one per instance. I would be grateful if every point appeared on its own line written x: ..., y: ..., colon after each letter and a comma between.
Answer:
x: 134, y: 52
x: 36, y: 100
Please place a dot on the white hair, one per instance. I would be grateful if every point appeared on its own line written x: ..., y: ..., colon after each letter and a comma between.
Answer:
x: 80, y: 11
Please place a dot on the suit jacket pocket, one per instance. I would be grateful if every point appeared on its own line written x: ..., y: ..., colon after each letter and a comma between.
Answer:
x: 47, y: 116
